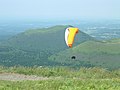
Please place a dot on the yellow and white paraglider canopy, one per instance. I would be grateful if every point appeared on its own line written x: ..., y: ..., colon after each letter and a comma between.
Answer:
x: 70, y: 35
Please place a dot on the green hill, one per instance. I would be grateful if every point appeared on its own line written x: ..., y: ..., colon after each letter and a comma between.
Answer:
x: 51, y: 39
x: 46, y: 47
x: 91, y: 53
x: 33, y: 47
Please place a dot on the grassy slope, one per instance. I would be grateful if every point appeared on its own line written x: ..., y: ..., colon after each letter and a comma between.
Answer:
x: 92, y: 53
x: 69, y: 79
x: 63, y: 84
x: 65, y: 72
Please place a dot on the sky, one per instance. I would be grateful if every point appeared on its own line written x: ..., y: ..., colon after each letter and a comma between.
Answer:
x: 60, y: 9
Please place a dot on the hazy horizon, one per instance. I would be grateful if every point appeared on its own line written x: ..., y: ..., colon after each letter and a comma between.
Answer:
x: 59, y: 10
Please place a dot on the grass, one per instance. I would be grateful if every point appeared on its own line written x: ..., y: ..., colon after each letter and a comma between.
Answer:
x: 62, y: 84
x: 86, y: 73
x: 69, y: 78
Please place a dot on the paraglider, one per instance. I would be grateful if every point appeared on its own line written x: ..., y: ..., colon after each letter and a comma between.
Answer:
x: 73, y: 57
x: 70, y: 35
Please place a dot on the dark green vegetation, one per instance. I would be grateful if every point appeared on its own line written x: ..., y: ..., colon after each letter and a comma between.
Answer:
x: 46, y: 47
x: 67, y: 79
